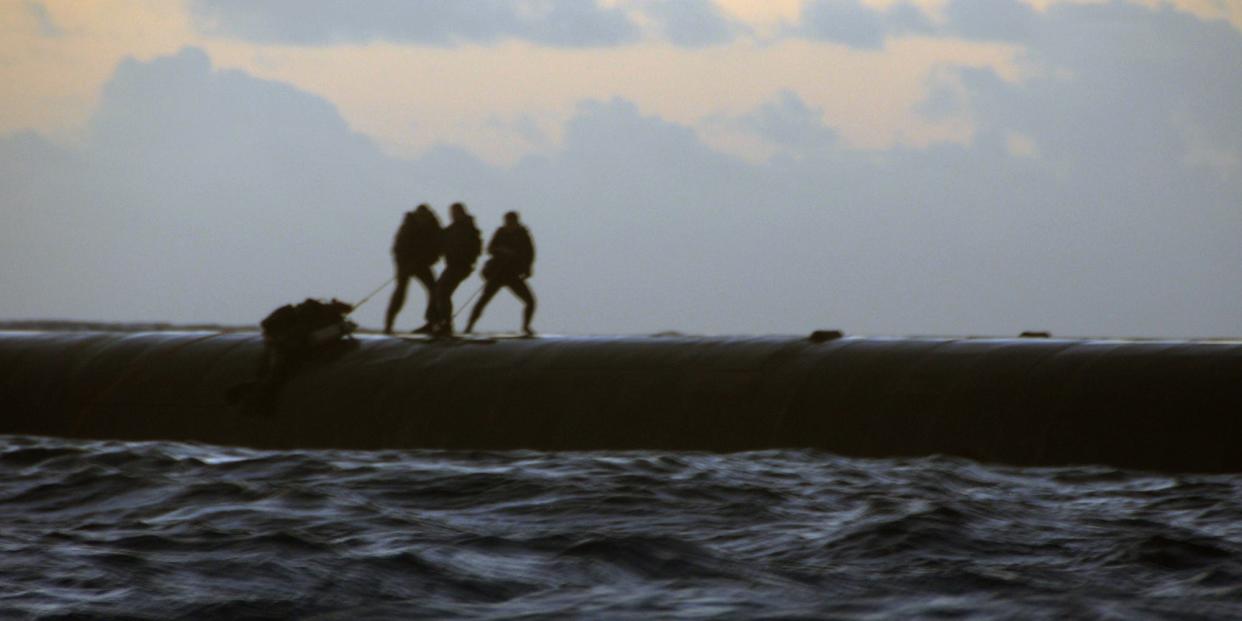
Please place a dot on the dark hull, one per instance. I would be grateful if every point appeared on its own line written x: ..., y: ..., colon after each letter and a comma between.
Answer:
x: 1159, y: 405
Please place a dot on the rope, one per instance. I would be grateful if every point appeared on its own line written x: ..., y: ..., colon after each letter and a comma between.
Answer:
x: 372, y: 294
x: 467, y: 302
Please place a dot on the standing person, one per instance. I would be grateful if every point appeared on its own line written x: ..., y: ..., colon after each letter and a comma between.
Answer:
x: 513, y: 255
x: 416, y: 248
x: 462, y: 246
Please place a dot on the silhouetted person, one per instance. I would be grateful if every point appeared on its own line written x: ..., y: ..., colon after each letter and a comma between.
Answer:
x: 513, y: 255
x: 294, y: 335
x: 416, y: 248
x: 462, y: 246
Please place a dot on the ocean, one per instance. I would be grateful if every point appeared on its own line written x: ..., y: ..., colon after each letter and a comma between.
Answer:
x: 164, y: 530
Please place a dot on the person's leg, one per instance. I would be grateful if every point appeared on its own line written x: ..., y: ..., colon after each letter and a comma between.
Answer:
x: 445, y: 287
x: 438, y: 295
x: 489, y: 291
x: 397, y: 300
x: 519, y: 288
x: 428, y: 278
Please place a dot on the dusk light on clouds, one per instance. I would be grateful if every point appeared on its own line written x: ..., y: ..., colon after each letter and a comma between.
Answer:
x: 878, y: 166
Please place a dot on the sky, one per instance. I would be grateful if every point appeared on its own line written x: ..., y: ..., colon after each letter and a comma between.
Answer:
x: 884, y: 167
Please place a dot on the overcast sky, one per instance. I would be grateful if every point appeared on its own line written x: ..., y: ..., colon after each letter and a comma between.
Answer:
x: 707, y: 166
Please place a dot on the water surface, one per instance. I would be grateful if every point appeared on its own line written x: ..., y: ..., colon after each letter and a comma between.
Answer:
x: 161, y: 530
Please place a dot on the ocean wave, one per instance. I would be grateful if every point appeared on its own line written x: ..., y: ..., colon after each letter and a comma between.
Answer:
x: 166, y: 530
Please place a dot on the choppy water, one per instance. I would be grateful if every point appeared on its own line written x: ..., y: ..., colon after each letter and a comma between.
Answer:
x: 167, y: 530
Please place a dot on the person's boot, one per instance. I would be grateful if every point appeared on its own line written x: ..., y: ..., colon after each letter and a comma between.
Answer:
x: 426, y: 328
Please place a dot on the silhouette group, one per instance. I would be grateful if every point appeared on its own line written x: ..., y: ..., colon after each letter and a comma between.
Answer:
x: 421, y: 242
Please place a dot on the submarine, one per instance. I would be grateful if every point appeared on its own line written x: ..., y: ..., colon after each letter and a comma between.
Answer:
x: 1163, y: 405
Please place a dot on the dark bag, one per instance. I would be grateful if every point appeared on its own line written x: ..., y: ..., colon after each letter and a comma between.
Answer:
x: 308, y: 324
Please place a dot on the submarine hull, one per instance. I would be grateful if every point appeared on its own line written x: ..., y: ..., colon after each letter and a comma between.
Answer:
x: 1156, y: 405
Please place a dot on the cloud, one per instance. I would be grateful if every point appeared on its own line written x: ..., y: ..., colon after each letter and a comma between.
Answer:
x: 849, y: 23
x: 1095, y: 197
x: 198, y: 192
x: 693, y: 23
x: 613, y: 137
x: 947, y: 96
x: 558, y: 23
x: 852, y: 23
x: 567, y: 23
x: 788, y: 122
x: 47, y: 26
x: 1117, y: 83
x: 1008, y: 20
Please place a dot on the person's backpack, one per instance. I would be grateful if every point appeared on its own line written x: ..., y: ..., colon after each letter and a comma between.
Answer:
x: 475, y: 243
x: 309, y: 324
